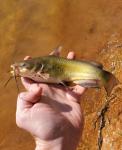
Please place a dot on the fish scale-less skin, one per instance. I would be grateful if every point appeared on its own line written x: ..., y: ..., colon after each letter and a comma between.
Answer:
x: 52, y: 69
x: 62, y: 68
x: 70, y: 69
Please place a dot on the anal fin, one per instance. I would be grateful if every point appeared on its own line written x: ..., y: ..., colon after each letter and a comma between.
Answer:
x: 88, y: 83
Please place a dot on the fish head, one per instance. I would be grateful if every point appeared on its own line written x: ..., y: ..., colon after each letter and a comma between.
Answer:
x: 21, y: 68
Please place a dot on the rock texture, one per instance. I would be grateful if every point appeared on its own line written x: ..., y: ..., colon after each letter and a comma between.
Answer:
x: 107, y: 110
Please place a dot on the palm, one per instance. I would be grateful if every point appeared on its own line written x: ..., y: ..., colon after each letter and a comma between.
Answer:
x: 58, y: 108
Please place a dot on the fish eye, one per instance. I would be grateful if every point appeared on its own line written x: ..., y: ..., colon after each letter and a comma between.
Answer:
x: 23, y: 64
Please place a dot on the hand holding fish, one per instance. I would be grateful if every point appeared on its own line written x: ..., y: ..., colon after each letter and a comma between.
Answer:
x: 51, y: 113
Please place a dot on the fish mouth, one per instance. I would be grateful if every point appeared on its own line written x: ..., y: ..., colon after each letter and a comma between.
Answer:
x: 16, y: 70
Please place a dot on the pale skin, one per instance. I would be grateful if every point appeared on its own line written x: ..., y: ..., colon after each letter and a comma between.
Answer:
x: 51, y: 113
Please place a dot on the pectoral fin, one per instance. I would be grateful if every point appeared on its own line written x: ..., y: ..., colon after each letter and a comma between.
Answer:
x: 43, y: 75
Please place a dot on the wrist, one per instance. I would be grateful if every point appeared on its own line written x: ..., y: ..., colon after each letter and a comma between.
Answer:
x: 55, y: 144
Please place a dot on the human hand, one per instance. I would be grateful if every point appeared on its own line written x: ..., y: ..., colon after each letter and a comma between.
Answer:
x: 51, y: 113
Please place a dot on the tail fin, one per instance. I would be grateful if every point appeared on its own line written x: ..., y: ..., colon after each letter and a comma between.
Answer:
x: 110, y: 82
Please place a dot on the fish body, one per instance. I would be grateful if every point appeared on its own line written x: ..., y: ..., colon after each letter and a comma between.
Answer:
x: 53, y: 69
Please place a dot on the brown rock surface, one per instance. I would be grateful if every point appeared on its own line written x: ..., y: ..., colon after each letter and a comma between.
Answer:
x: 92, y: 29
x: 111, y: 57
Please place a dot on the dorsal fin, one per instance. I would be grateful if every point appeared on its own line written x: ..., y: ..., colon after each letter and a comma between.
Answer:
x: 56, y: 51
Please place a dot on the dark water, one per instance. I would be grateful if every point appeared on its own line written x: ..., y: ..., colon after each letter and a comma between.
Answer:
x: 34, y: 27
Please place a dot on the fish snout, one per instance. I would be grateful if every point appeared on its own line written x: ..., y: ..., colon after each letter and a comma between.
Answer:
x: 15, y: 70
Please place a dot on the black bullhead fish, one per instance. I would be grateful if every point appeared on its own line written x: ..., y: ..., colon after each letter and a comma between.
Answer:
x: 53, y: 69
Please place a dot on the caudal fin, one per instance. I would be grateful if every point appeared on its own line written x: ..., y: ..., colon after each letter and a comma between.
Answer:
x: 111, y: 82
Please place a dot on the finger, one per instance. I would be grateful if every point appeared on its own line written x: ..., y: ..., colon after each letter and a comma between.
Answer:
x: 75, y: 93
x: 71, y: 55
x: 78, y: 90
x: 27, y: 57
x: 28, y: 99
x: 30, y: 85
x: 27, y: 83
